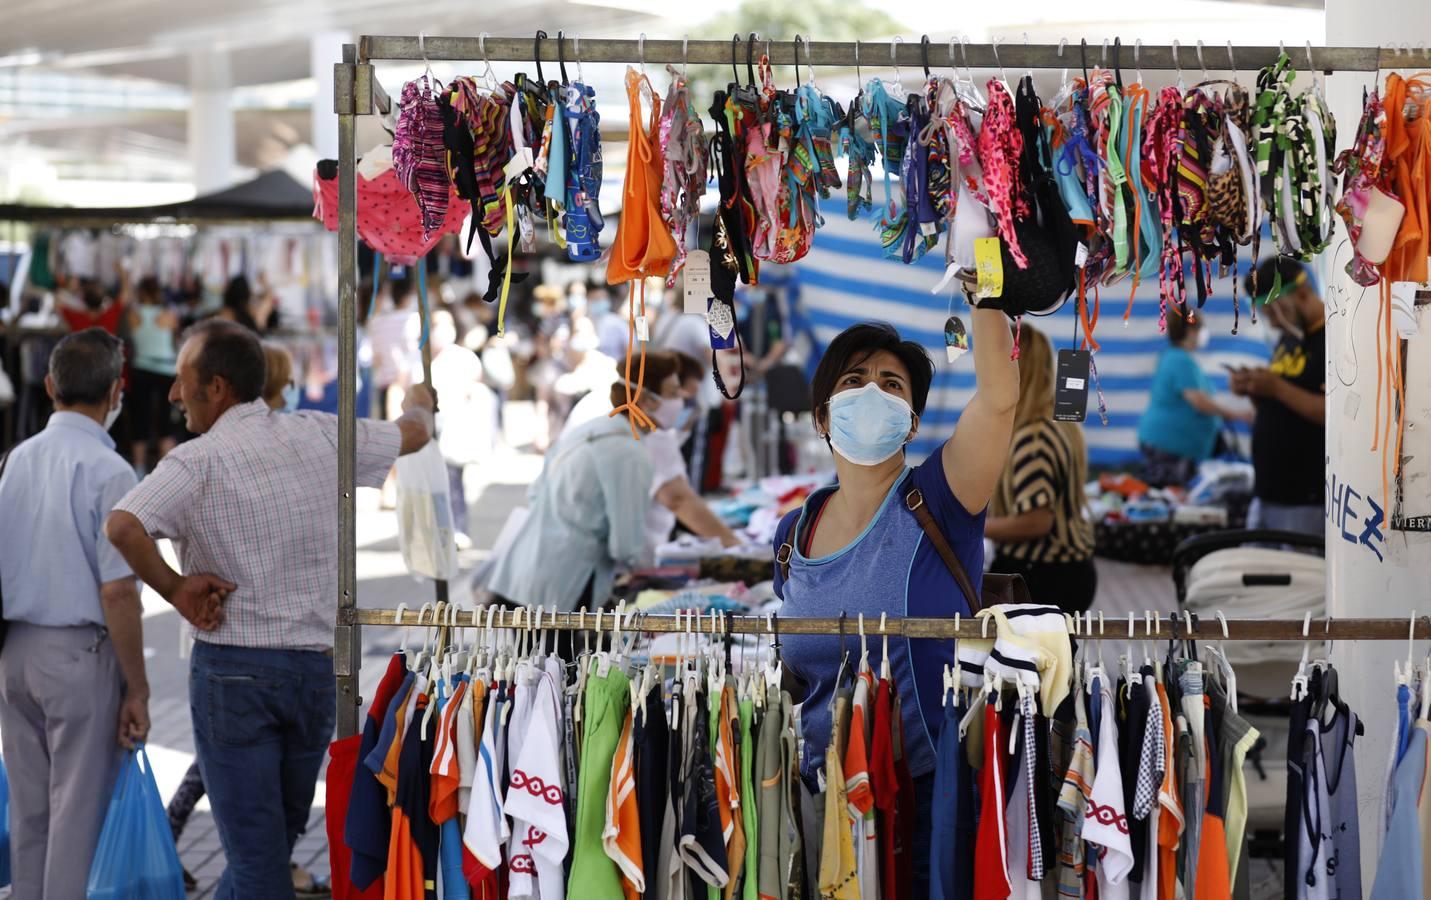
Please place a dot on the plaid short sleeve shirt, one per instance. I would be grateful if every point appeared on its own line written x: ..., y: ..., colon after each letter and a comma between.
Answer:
x: 255, y: 501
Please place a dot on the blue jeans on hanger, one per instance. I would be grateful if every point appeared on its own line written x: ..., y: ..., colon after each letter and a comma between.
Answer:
x: 263, y: 720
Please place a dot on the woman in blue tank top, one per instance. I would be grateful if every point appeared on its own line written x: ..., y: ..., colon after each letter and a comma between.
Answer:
x: 856, y: 547
x: 152, y: 327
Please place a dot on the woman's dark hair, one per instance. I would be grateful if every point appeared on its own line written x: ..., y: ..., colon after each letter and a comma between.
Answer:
x: 92, y: 294
x: 149, y: 291
x: 858, y: 343
x: 1179, y: 324
x: 238, y: 293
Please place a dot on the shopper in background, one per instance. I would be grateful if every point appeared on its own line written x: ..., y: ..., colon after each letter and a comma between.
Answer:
x: 83, y: 303
x: 280, y: 390
x: 1180, y: 426
x: 258, y: 312
x: 467, y: 419
x: 392, y: 335
x: 73, y: 688
x: 1288, y: 431
x: 267, y: 650
x: 1036, y: 519
x: 152, y: 327
x: 589, y: 505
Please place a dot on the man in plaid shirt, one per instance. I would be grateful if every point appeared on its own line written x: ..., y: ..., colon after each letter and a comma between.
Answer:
x: 252, y: 508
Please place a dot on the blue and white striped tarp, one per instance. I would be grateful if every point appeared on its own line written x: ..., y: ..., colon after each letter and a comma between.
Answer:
x: 845, y: 279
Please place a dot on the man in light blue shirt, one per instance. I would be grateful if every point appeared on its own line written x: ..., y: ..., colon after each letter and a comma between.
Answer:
x: 72, y: 667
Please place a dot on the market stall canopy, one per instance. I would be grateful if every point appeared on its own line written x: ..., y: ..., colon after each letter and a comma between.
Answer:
x: 271, y: 197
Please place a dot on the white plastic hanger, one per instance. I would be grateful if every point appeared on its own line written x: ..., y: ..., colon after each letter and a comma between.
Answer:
x: 1219, y: 656
x: 1299, y: 681
x: 884, y: 670
x: 397, y: 620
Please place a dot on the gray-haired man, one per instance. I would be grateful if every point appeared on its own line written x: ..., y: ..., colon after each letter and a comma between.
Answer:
x: 72, y: 682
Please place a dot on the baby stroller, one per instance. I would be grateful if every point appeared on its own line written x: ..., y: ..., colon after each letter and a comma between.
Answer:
x: 1257, y: 575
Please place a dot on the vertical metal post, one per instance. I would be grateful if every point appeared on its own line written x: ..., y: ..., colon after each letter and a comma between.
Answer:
x: 347, y: 638
x: 440, y: 584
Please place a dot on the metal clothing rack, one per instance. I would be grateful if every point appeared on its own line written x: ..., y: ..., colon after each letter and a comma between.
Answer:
x: 1144, y: 626
x: 357, y: 92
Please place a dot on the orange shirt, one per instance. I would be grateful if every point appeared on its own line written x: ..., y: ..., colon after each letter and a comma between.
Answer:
x: 1170, y: 815
x: 622, y: 836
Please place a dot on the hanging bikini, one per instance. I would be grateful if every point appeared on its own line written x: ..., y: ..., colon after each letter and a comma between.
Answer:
x: 643, y: 246
x: 683, y: 150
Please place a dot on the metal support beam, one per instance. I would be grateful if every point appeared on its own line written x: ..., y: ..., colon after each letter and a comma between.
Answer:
x: 347, y: 638
x: 875, y: 54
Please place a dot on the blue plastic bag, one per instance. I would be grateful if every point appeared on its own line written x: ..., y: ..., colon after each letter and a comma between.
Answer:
x: 4, y: 826
x: 135, y: 858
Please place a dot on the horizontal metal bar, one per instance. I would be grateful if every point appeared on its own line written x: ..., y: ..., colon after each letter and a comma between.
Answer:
x: 876, y: 55
x: 1109, y: 628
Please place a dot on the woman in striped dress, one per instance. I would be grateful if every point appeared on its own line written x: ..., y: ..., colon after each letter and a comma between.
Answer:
x: 1037, y: 520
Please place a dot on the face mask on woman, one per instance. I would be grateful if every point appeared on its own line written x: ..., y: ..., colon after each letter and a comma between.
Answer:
x: 668, y: 414
x: 868, y: 425
x: 290, y: 397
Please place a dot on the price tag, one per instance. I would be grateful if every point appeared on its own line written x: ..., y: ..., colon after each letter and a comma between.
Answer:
x: 643, y: 331
x: 1070, y: 397
x: 1404, y: 316
x: 697, y: 275
x: 956, y: 338
x: 990, y: 266
x: 721, y: 319
x: 1080, y: 256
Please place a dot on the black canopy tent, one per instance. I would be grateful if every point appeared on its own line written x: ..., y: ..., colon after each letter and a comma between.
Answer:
x: 274, y: 196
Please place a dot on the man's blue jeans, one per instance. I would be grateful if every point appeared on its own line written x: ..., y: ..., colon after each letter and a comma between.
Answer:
x: 262, y: 721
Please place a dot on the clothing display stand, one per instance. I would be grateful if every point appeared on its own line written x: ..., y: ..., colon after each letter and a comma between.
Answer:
x: 357, y: 92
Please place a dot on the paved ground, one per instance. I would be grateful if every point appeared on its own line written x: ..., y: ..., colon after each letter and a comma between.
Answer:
x: 383, y: 583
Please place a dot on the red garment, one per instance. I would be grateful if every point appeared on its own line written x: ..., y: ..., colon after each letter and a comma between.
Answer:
x: 885, y: 779
x: 905, y: 803
x: 107, y: 318
x: 991, y: 852
x: 342, y: 764
x: 389, y: 220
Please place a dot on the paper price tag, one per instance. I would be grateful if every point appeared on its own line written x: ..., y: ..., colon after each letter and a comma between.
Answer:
x: 1080, y: 256
x: 1070, y: 398
x: 990, y: 266
x: 956, y: 339
x: 643, y: 330
x: 721, y: 319
x: 697, y: 275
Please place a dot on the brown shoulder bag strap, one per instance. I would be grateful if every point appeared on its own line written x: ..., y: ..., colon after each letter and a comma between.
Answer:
x: 914, y: 500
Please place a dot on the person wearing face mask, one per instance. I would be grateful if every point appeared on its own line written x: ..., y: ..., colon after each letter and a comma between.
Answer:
x: 73, y: 689
x: 587, y: 509
x: 672, y: 497
x: 859, y: 546
x: 1289, y: 426
x: 1180, y: 426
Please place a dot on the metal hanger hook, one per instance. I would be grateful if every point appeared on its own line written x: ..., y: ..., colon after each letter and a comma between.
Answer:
x: 641, y: 50
x: 576, y: 51
x: 1138, y: 58
x: 1231, y: 63
x: 994, y: 45
x: 1103, y: 60
x: 685, y: 53
x: 1201, y: 65
x: 894, y: 55
x: 1177, y: 58
x: 1062, y: 44
x: 924, y: 54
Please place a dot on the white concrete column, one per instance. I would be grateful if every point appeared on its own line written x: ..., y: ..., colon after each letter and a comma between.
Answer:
x: 211, y: 120
x: 1372, y: 570
x: 324, y: 50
